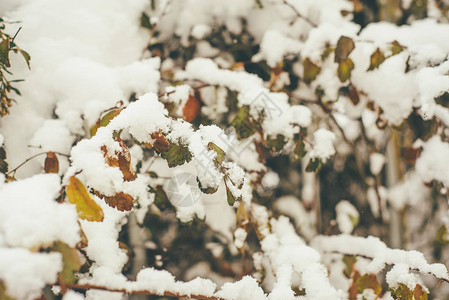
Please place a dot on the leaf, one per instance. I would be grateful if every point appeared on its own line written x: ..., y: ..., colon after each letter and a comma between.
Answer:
x: 349, y: 261
x: 326, y: 52
x: 276, y: 143
x: 345, y: 68
x: 208, y: 190
x: 311, y: 71
x: 191, y: 109
x: 314, y: 165
x: 86, y: 207
x: 300, y: 150
x: 145, y: 21
x: 242, y: 124
x: 160, y: 198
x: 442, y: 235
x: 26, y: 56
x: 70, y: 262
x: 419, y: 293
x: 369, y: 281
x: 353, y: 94
x: 105, y: 120
x: 120, y: 201
x: 401, y: 292
x: 411, y: 155
x: 376, y: 59
x: 4, y: 52
x: 160, y: 144
x: 396, y: 48
x: 3, y: 163
x: 220, y: 153
x: 231, y: 198
x: 345, y: 45
x: 124, y: 163
x: 176, y: 155
x: 51, y: 164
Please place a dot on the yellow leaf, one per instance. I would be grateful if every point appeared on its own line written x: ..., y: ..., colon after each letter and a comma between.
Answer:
x: 345, y: 68
x: 70, y: 262
x: 376, y: 59
x: 86, y: 207
x: 419, y: 293
x: 311, y: 71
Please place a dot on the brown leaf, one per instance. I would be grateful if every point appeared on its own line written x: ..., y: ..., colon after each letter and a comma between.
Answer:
x: 369, y: 281
x: 120, y: 201
x: 376, y: 59
x: 86, y: 207
x: 120, y: 159
x: 410, y: 155
x: 419, y: 293
x: 353, y: 288
x: 191, y: 109
x: 51, y: 164
x: 345, y: 45
x: 353, y: 94
x: 160, y: 143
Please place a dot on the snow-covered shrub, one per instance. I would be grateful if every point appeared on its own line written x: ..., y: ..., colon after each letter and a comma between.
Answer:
x: 251, y: 149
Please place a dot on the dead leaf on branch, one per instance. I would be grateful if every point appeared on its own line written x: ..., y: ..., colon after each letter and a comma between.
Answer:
x: 51, y: 164
x: 120, y: 159
x: 191, y: 109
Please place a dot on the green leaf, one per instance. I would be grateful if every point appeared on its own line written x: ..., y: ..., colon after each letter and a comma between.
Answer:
x: 396, y: 48
x: 105, y: 120
x: 231, y: 198
x: 242, y: 124
x: 349, y: 261
x: 3, y: 163
x: 401, y: 292
x: 443, y: 235
x: 377, y: 58
x: 314, y: 165
x: 345, y: 68
x: 276, y: 143
x: 369, y: 281
x: 311, y: 71
x: 176, y: 155
x: 70, y: 262
x: 220, y: 153
x: 300, y: 150
x: 4, y: 53
x: 26, y: 56
x: 345, y: 45
x: 145, y: 21
x: 86, y: 207
x: 160, y: 198
x: 208, y: 190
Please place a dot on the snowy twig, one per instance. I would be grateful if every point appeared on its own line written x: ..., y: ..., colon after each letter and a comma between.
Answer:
x: 84, y: 287
x: 298, y: 14
x: 33, y: 157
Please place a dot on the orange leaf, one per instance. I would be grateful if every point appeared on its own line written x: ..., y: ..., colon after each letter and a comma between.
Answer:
x: 86, y: 207
x: 51, y: 164
x: 160, y: 143
x: 121, y: 159
x: 121, y: 201
x: 191, y: 109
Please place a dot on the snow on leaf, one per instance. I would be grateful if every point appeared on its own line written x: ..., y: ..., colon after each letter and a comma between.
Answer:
x: 369, y: 281
x: 176, y: 155
x: 419, y: 293
x: 120, y: 201
x: 86, y: 207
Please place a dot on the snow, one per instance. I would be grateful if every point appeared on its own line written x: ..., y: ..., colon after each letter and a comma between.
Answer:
x: 240, y: 237
x: 26, y: 273
x: 376, y: 163
x: 430, y: 165
x: 323, y: 147
x: 31, y: 218
x: 347, y: 215
x: 244, y: 289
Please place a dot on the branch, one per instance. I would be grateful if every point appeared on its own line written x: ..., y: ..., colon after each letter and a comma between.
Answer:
x: 33, y: 157
x: 299, y: 15
x: 85, y: 287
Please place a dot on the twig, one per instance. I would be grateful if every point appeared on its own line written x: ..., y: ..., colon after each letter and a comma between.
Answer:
x: 84, y: 287
x: 298, y: 14
x: 32, y: 157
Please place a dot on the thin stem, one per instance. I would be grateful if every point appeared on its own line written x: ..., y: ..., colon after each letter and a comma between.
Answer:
x: 84, y: 287
x: 33, y: 157
x: 298, y: 14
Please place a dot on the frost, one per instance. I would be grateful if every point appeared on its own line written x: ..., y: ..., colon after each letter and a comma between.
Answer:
x: 347, y: 216
x: 323, y: 147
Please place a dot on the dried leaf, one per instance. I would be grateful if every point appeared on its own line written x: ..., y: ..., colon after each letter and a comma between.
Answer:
x: 120, y: 159
x: 86, y: 207
x: 70, y: 262
x: 345, y: 45
x: 401, y: 292
x: 345, y: 68
x: 376, y: 59
x: 191, y: 109
x: 120, y: 201
x: 26, y: 56
x: 160, y: 144
x: 105, y: 120
x: 349, y: 261
x: 419, y: 293
x: 311, y: 71
x: 353, y: 94
x: 411, y: 155
x: 51, y: 164
x: 396, y: 48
